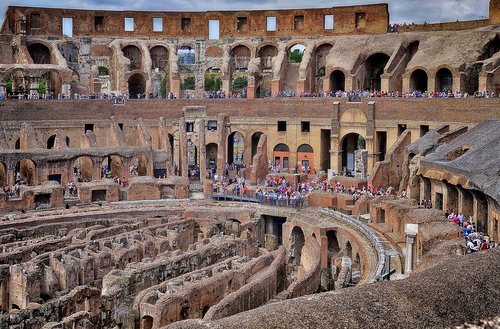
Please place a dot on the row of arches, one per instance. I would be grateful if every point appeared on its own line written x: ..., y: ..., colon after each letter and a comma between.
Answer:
x: 83, y: 169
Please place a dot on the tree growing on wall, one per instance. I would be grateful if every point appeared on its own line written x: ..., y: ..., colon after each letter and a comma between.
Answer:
x: 188, y: 83
x: 296, y: 56
x: 8, y: 86
x: 239, y: 83
x: 42, y: 87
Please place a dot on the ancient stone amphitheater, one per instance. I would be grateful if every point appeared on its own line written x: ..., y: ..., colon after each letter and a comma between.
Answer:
x: 111, y: 215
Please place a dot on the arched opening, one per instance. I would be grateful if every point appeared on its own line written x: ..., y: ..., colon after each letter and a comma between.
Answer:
x: 337, y: 81
x: 171, y: 141
x: 212, y: 150
x: 83, y: 169
x: 305, y: 157
x: 418, y: 80
x: 295, y: 53
x: 333, y: 242
x: 213, y: 81
x: 15, y: 307
x: 266, y: 55
x: 112, y: 166
x: 186, y: 55
x: 26, y: 172
x: 235, y: 227
x: 147, y: 322
x: 281, y: 156
x: 39, y: 53
x: 374, y: 68
x: 136, y: 86
x: 184, y: 313
x: 240, y: 57
x: 3, y: 174
x: 263, y: 81
x: 444, y: 80
x: 351, y: 143
x: 139, y: 166
x: 348, y: 250
x: 204, y: 310
x: 235, y: 148
x: 255, y: 142
x: 17, y: 144
x: 133, y: 53
x: 273, y: 231
x: 491, y: 48
x: 297, y: 241
x: 51, y: 142
x: 70, y: 52
x: 102, y: 83
x: 481, y: 212
x: 159, y: 58
x: 192, y: 157
x: 188, y: 82
x: 319, y: 64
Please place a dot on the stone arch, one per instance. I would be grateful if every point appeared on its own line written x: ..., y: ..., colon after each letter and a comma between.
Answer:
x: 235, y: 148
x: 320, y: 53
x: 40, y: 53
x: 350, y: 143
x: 419, y: 80
x: 212, y: 151
x: 70, y: 52
x: 136, y: 85
x: 27, y: 171
x: 297, y: 241
x: 3, y: 174
x: 299, y: 49
x: 255, y: 142
x: 114, y: 165
x: 305, y: 157
x: 213, y: 79
x: 186, y: 55
x: 139, y: 166
x: 373, y: 69
x: 333, y: 242
x: 147, y: 322
x: 337, y: 81
x: 444, y: 79
x: 51, y: 141
x: 159, y: 57
x: 83, y: 169
x: 491, y: 48
x: 240, y: 57
x: 281, y: 156
x: 266, y: 54
x: 134, y: 54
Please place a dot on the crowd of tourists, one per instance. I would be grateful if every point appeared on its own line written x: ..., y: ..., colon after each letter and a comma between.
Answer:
x: 475, y: 241
x: 396, y: 94
x: 353, y: 95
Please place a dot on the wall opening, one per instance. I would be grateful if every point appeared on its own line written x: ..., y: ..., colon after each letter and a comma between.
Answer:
x: 337, y: 81
x: 418, y: 81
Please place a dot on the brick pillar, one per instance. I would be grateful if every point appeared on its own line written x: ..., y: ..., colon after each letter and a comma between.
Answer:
x: 335, y: 151
x: 175, y: 87
x: 221, y: 140
x: 202, y: 149
x: 250, y: 92
x: 275, y: 87
x: 183, y: 160
x: 301, y: 86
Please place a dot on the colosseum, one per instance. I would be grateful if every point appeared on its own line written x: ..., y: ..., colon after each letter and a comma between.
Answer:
x: 305, y: 168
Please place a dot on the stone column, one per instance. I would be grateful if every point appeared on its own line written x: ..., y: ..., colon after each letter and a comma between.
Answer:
x: 183, y: 158
x: 202, y: 150
x: 335, y: 151
x: 411, y: 231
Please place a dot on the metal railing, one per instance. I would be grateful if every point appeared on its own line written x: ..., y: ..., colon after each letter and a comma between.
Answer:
x: 375, y: 241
